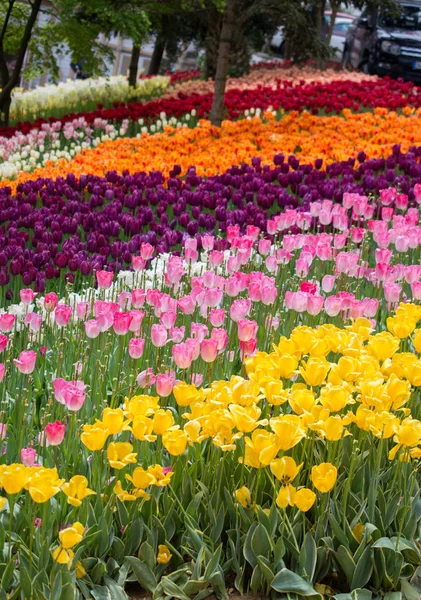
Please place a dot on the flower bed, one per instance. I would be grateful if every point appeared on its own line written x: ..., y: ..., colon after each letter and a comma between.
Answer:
x: 210, y: 347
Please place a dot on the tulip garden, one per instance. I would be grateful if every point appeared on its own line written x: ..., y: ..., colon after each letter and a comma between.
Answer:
x: 210, y: 340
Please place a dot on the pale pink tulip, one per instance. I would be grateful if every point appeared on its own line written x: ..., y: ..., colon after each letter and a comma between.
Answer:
x: 92, y: 328
x: 247, y: 330
x: 158, y: 335
x: 209, y: 350
x: 28, y: 456
x: 27, y: 295
x: 104, y: 279
x: 136, y: 347
x: 164, y: 384
x: 182, y: 355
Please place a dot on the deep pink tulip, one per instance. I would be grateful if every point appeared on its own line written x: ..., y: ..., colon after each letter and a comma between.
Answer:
x: 50, y: 301
x: 138, y: 263
x: 62, y: 314
x: 26, y: 361
x: 138, y: 298
x: 7, y: 322
x: 3, y: 342
x: 122, y: 322
x: 104, y: 279
x: 146, y: 251
x: 54, y: 433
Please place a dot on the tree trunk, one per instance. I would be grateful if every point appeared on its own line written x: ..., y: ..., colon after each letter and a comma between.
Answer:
x: 157, y: 54
x: 227, y: 31
x: 134, y: 60
x: 10, y: 81
x: 332, y: 23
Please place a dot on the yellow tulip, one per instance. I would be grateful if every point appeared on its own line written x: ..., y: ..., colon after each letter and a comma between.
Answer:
x: 13, y: 477
x: 123, y: 495
x: 245, y: 418
x: 80, y: 570
x: 289, y: 430
x: 332, y: 429
x: 324, y: 476
x: 162, y: 421
x: 243, y: 496
x: 398, y: 390
x: 244, y: 392
x: 164, y: 555
x: 286, y: 496
x: 401, y: 327
x: 417, y: 340
x: 304, y: 499
x: 285, y: 469
x: 142, y: 428
x: 193, y: 431
x: 161, y: 474
x: 62, y: 556
x: 120, y: 454
x: 301, y: 400
x: 186, y: 394
x: 76, y: 489
x: 175, y: 442
x: 287, y: 365
x: 383, y: 345
x: 314, y: 371
x: 141, y: 479
x: 274, y: 392
x: 114, y: 421
x: 3, y: 502
x: 71, y: 536
x: 141, y: 406
x: 94, y: 436
x: 261, y: 448
x: 335, y: 397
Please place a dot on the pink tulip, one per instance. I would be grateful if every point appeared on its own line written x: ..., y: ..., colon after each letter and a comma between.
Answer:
x: 3, y: 431
x: 3, y: 342
x: 138, y: 298
x: 333, y: 305
x: 7, y: 322
x: 264, y: 247
x: 371, y: 306
x: 168, y: 319
x: 26, y: 361
x: 69, y: 393
x: 187, y: 305
x: 146, y: 378
x: 136, y: 322
x: 416, y: 290
x: 240, y: 309
x: 28, y: 456
x: 387, y: 196
x: 82, y: 310
x: 182, y: 355
x: 401, y: 201
x: 208, y: 242
x: 209, y: 350
x: 269, y: 293
x: 34, y: 321
x: 217, y: 317
x: 54, y: 433
x: 216, y: 258
x: 177, y: 334
x: 383, y: 255
x: 92, y: 328
x: 27, y: 295
x: 62, y: 314
x: 314, y: 304
x: 248, y: 348
x: 158, y: 335
x: 138, y: 263
x: 247, y: 330
x: 104, y: 279
x: 392, y: 292
x: 136, y: 347
x: 122, y: 322
x: 124, y: 300
x: 146, y: 251
x: 221, y: 338
x: 50, y: 301
x: 164, y: 384
x: 175, y: 270
x: 328, y: 282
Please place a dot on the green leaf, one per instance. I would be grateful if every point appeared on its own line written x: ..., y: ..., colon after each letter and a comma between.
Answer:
x: 393, y: 596
x: 308, y: 556
x: 286, y: 582
x: 101, y: 592
x: 172, y: 589
x: 26, y: 582
x: 7, y: 578
x: 346, y: 562
x: 213, y: 564
x: 248, y: 552
x: 260, y: 541
x: 147, y: 555
x: 338, y: 532
x: 408, y: 591
x: 266, y: 570
x: 143, y: 573
x: 363, y: 570
x: 257, y: 579
x: 68, y: 592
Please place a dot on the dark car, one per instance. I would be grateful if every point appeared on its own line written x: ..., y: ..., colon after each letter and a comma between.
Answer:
x: 387, y: 43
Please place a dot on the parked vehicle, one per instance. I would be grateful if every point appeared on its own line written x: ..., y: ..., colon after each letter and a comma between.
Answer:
x: 386, y: 43
x: 340, y: 28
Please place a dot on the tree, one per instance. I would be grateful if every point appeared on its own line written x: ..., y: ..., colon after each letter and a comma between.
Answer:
x: 14, y: 40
